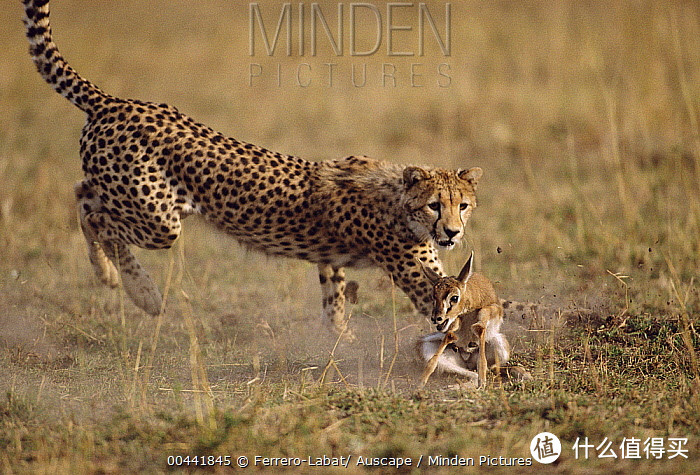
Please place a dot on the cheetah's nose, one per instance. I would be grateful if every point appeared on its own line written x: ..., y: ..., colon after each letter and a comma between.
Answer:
x: 451, y: 233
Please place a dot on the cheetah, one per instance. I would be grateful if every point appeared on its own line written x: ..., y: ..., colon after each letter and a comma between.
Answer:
x: 147, y: 166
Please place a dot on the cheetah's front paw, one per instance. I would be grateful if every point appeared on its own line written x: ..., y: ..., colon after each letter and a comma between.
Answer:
x: 142, y: 291
x: 342, y: 331
x: 147, y: 299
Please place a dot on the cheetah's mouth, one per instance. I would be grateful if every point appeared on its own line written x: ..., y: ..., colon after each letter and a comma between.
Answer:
x: 442, y: 326
x: 446, y: 244
x: 445, y: 325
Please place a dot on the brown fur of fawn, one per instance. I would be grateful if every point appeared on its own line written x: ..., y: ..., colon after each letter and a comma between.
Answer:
x: 466, y: 310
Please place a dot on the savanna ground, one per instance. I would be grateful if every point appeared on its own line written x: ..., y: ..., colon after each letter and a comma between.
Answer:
x: 584, y: 117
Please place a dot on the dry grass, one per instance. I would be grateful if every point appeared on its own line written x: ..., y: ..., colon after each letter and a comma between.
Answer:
x: 584, y: 116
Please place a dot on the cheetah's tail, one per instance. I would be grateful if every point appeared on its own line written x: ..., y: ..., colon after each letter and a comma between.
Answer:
x: 51, y: 65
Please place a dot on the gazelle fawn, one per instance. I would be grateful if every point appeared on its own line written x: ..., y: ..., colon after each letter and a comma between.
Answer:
x: 468, y: 315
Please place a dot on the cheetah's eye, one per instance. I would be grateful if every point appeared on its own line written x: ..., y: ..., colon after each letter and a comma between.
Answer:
x: 454, y: 299
x: 463, y: 206
x: 434, y: 205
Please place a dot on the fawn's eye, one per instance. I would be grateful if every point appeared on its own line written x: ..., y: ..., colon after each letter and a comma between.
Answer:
x: 454, y: 299
x: 463, y: 206
x: 434, y: 205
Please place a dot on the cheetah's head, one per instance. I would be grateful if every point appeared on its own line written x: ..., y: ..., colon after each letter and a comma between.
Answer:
x: 439, y: 202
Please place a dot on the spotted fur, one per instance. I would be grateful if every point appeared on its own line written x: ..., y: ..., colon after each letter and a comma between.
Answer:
x: 147, y: 166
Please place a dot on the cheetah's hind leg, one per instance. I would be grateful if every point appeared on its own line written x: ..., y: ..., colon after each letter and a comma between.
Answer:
x: 88, y: 202
x: 107, y: 252
x: 333, y: 293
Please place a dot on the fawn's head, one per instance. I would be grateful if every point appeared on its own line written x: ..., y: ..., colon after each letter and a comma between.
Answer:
x: 450, y: 298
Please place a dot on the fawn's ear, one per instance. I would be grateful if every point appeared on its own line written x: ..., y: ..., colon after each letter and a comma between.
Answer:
x: 432, y: 276
x: 467, y: 271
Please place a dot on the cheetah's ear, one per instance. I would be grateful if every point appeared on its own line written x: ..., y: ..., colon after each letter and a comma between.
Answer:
x: 471, y: 176
x: 432, y: 276
x: 412, y: 175
x: 468, y: 270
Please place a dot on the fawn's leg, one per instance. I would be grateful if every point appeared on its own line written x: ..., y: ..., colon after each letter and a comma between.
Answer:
x: 479, y: 330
